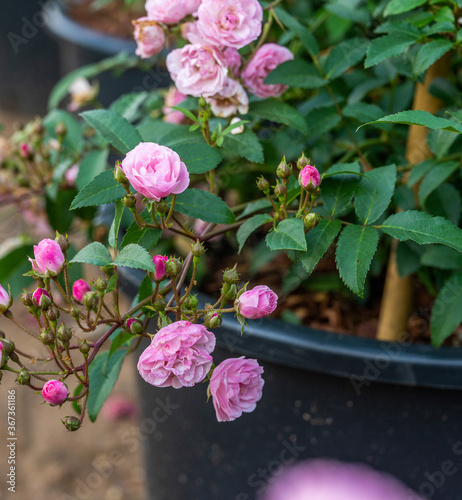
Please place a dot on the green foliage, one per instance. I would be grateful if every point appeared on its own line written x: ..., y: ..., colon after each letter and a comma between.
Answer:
x: 205, y: 206
x: 246, y: 145
x: 337, y: 191
x: 289, y: 234
x: 279, y: 112
x: 199, y: 158
x: 101, y: 190
x: 95, y: 253
x: 91, y: 165
x: 249, y: 226
x: 318, y: 241
x: 135, y: 257
x: 447, y: 310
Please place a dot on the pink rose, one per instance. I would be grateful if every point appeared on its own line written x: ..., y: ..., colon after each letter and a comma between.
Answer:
x: 330, y: 480
x: 309, y: 177
x: 155, y: 171
x: 190, y: 32
x: 236, y: 386
x: 230, y: 100
x: 79, y: 289
x: 5, y: 300
x: 256, y: 303
x: 71, y: 174
x: 173, y: 97
x: 149, y: 36
x: 233, y: 60
x: 197, y: 70
x: 178, y: 356
x: 159, y: 263
x: 232, y: 23
x: 41, y: 298
x: 49, y: 258
x: 170, y: 11
x: 54, y: 392
x: 267, y: 58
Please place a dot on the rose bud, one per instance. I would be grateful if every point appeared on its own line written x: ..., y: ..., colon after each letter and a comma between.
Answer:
x: 5, y: 300
x: 119, y: 175
x: 212, y: 320
x: 309, y: 178
x: 236, y: 386
x: 53, y: 315
x: 82, y: 92
x: 8, y: 346
x: 41, y: 299
x: 49, y: 258
x: 26, y: 298
x: 149, y: 36
x: 63, y: 241
x: 179, y: 356
x: 231, y: 276
x: 24, y: 377
x: 71, y: 423
x: 160, y: 304
x: 173, y: 267
x: 134, y: 326
x: 280, y: 190
x: 100, y: 285
x: 90, y: 300
x: 159, y: 263
x: 311, y: 220
x: 191, y: 302
x: 84, y: 348
x: 47, y: 337
x: 263, y: 185
x: 79, y: 289
x: 64, y: 333
x: 155, y: 171
x: 284, y: 170
x: 256, y: 303
x: 303, y: 161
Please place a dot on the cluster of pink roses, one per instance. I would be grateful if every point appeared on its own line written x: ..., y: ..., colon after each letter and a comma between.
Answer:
x: 210, y: 65
x: 180, y: 356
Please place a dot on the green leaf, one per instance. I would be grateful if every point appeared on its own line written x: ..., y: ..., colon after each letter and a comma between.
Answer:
x: 429, y: 54
x: 147, y: 237
x: 296, y: 73
x: 363, y: 112
x: 91, y: 165
x: 249, y: 226
x: 445, y: 201
x: 103, y: 373
x: 306, y: 37
x: 351, y: 12
x: 246, y: 145
x: 420, y: 170
x: 346, y: 54
x: 135, y: 257
x: 59, y: 215
x: 423, y: 228
x: 318, y: 241
x: 388, y: 46
x: 447, y: 310
x: 95, y: 253
x: 374, y: 193
x: 254, y: 206
x: 279, y: 112
x: 320, y: 121
x: 436, y: 176
x: 422, y: 118
x: 199, y: 158
x: 338, y: 191
x: 115, y: 226
x: 12, y: 267
x: 114, y: 128
x: 399, y: 6
x: 101, y: 190
x: 356, y: 247
x: 288, y: 235
x: 408, y: 257
x: 442, y: 257
x: 129, y: 104
x: 203, y: 205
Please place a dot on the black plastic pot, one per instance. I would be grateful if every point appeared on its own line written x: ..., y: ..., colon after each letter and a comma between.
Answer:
x: 396, y: 407
x: 80, y: 45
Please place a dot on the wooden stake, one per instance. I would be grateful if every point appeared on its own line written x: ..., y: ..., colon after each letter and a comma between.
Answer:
x: 397, y: 292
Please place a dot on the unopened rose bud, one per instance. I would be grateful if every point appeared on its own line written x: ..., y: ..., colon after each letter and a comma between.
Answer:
x: 191, y: 302
x: 119, y: 175
x: 256, y: 303
x: 231, y: 294
x: 79, y: 289
x: 64, y: 334
x: 162, y: 207
x: 263, y: 185
x: 202, y: 102
x: 212, y: 320
x: 84, y: 348
x: 100, y: 285
x: 134, y: 326
x: 303, y: 161
x: 54, y: 392
x: 231, y: 276
x: 3, y: 356
x: 23, y: 377
x: 75, y: 312
x: 63, y: 242
x: 71, y: 423
x: 236, y: 130
x: 47, y: 337
x: 53, y: 314
x: 159, y: 262
x: 130, y: 201
x: 90, y: 300
x: 311, y: 220
x: 197, y: 249
x: 8, y: 346
x: 49, y: 258
x: 173, y: 267
x: 309, y: 178
x: 5, y: 300
x: 284, y: 170
x: 160, y: 304
x: 41, y: 299
x: 280, y: 190
x: 26, y: 298
x: 60, y: 130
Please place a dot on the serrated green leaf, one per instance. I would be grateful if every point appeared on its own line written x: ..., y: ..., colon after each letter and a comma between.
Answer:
x: 346, y: 54
x: 356, y: 247
x: 128, y: 105
x: 399, y: 6
x: 104, y: 372
x: 363, y: 112
x: 374, y: 193
x: 429, y: 54
x: 307, y: 38
x: 288, y: 235
x: 388, y: 46
x: 246, y: 145
x: 135, y: 257
x: 101, y: 190
x: 442, y: 257
x: 423, y: 228
x: 435, y: 177
x: 95, y: 253
x: 254, y: 206
x: 338, y: 191
x: 279, y: 112
x: 249, y: 226
x: 203, y: 205
x: 147, y: 237
x: 296, y: 73
x: 117, y: 130
x: 91, y: 165
x: 199, y: 158
x: 318, y: 241
x: 115, y: 226
x: 447, y: 310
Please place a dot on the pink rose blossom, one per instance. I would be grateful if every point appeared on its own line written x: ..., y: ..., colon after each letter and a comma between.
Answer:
x: 232, y: 23
x: 309, y: 177
x: 267, y: 58
x: 178, y: 356
x: 329, y: 480
x: 71, y: 174
x: 173, y: 97
x: 155, y: 171
x: 49, y: 258
x: 236, y: 386
x: 4, y: 300
x: 233, y: 60
x: 257, y: 303
x: 197, y: 70
x: 230, y: 100
x: 159, y: 263
x: 170, y: 11
x: 149, y: 36
x: 54, y: 392
x: 79, y: 289
x: 41, y: 297
x: 190, y: 32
